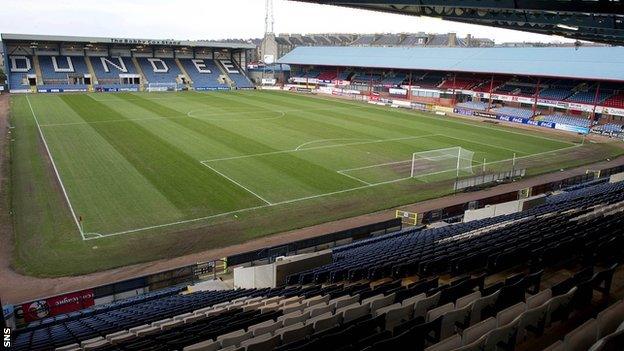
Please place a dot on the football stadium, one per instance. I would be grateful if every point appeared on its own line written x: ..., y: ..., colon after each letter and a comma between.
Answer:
x: 393, y: 192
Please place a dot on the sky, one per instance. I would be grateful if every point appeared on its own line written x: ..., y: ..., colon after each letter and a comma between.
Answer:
x: 219, y: 19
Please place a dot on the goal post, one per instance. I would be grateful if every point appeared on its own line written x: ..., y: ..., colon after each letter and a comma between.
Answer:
x: 453, y: 159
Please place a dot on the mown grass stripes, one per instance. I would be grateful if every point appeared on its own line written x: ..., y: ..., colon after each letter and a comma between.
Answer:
x: 182, y: 180
x: 132, y: 164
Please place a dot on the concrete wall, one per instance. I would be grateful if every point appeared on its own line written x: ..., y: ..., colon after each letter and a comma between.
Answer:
x: 275, y: 274
x: 503, y: 208
x: 255, y: 276
x: 615, y: 178
x: 300, y: 263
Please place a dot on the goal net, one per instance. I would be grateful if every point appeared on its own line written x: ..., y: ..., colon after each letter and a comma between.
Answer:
x: 162, y: 87
x: 455, y: 160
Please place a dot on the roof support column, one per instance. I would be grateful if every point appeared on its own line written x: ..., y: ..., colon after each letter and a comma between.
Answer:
x: 539, y: 80
x: 454, y: 87
x: 491, y: 88
x: 409, y: 87
x: 592, y: 117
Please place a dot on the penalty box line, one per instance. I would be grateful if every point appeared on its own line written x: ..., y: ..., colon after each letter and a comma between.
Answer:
x: 248, y: 209
x: 243, y: 210
x: 239, y: 184
x: 318, y: 148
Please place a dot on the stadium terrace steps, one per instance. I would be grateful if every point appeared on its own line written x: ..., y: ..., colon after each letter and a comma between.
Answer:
x: 94, y: 79
x: 236, y: 74
x: 37, y: 67
x: 204, y: 73
x: 138, y: 68
x: 159, y: 70
x: 184, y: 73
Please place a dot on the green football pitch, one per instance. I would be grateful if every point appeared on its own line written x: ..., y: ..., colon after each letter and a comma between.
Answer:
x: 104, y: 180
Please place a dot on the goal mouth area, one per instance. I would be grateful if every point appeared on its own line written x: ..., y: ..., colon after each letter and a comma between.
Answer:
x: 453, y: 159
x: 428, y: 166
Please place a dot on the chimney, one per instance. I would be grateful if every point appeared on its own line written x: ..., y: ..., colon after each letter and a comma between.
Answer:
x: 468, y: 40
x: 452, y: 39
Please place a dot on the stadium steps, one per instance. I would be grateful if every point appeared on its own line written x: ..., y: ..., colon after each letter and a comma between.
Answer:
x: 184, y: 72
x: 224, y: 75
x: 137, y: 66
x: 241, y: 70
x: 94, y: 79
x: 38, y: 70
x: 223, y: 65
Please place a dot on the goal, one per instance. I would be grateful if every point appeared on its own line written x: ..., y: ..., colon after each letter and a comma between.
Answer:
x: 454, y: 159
x: 163, y: 87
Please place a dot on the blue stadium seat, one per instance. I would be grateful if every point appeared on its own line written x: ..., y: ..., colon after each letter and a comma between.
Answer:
x: 203, y: 72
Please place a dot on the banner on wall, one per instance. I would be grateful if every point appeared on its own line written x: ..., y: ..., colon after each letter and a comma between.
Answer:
x: 400, y: 92
x: 53, y: 306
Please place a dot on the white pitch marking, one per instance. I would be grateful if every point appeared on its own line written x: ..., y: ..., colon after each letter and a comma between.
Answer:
x: 454, y: 120
x: 248, y: 209
x: 296, y: 200
x: 338, y: 139
x: 110, y: 121
x: 374, y: 166
x: 354, y: 178
x: 56, y: 172
x: 318, y: 148
x: 239, y: 184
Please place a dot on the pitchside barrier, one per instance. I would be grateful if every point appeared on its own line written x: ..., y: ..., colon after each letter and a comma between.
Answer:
x: 488, y: 179
x: 187, y: 275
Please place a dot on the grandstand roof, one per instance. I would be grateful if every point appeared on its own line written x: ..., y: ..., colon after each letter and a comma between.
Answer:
x: 123, y: 41
x: 595, y: 63
x: 592, y: 20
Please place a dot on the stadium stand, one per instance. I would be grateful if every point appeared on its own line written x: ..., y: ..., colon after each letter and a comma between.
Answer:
x: 609, y: 128
x: 463, y: 83
x: 365, y: 78
x: 344, y: 75
x: 327, y: 75
x: 335, y: 307
x: 517, y: 89
x: 204, y: 73
x: 159, y: 70
x: 18, y: 73
x: 555, y: 94
x: 57, y: 71
x: 394, y: 79
x: 428, y: 80
x: 485, y: 86
x: 589, y: 96
x: 513, y: 112
x: 566, y: 119
x: 617, y: 100
x: 108, y: 69
x: 474, y: 105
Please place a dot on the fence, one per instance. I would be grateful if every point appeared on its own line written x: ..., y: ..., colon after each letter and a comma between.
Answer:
x: 488, y: 179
